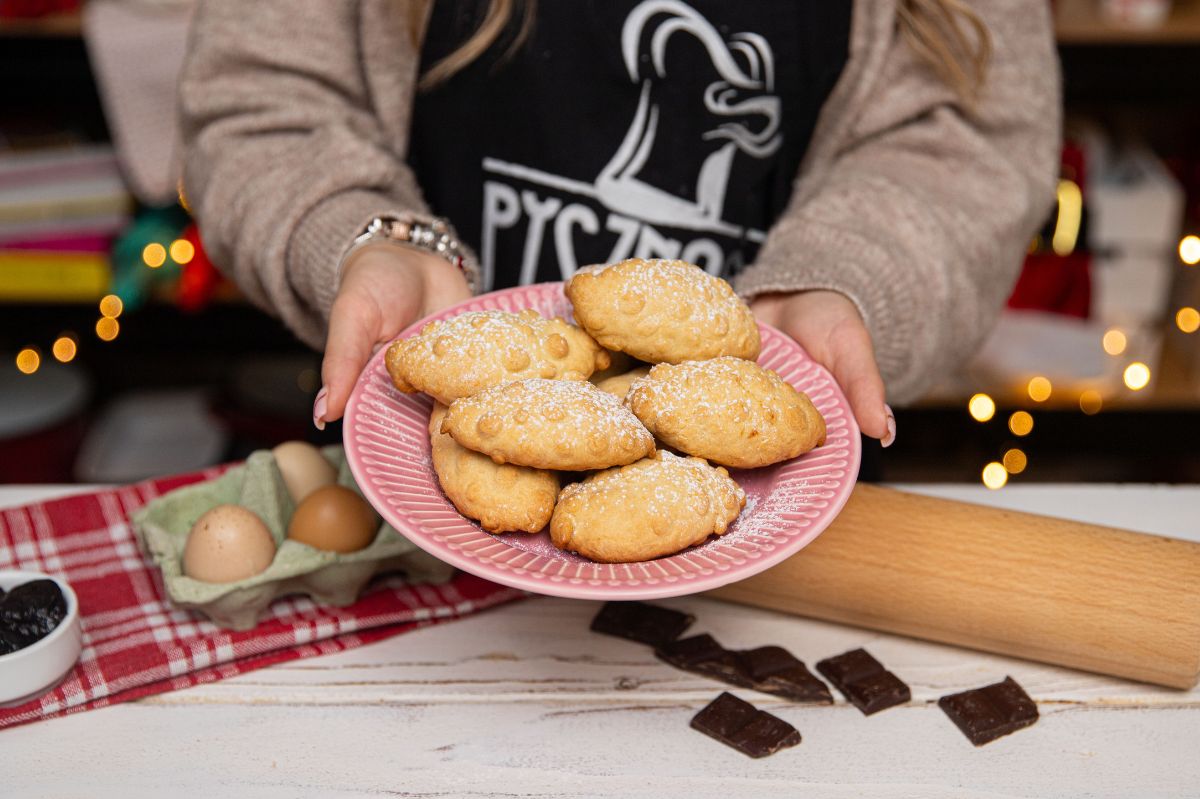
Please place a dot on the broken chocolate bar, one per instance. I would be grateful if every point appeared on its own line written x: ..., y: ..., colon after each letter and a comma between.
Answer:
x: 864, y: 681
x: 744, y: 727
x: 638, y: 621
x: 985, y: 714
x: 702, y: 654
x: 770, y: 669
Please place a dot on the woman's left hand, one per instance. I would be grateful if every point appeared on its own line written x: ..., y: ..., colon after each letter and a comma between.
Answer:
x: 828, y: 326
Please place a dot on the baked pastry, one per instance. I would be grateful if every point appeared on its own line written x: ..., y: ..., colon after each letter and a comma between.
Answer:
x: 618, y: 364
x: 662, y: 311
x: 463, y: 355
x: 502, y: 498
x: 655, y: 507
x: 549, y: 424
x: 728, y: 410
x: 618, y: 385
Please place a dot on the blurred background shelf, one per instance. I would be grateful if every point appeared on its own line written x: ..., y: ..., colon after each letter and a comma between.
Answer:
x: 53, y: 26
x: 1077, y: 22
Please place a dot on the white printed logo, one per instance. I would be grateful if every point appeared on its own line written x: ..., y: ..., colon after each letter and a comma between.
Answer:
x: 746, y: 114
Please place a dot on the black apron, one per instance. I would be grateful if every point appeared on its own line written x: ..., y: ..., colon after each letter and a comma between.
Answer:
x: 624, y: 128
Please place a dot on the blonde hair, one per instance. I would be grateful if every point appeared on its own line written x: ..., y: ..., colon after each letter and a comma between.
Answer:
x: 946, y: 34
x: 951, y: 38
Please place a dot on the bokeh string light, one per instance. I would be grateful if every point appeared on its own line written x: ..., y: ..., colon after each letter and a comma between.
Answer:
x: 1189, y: 250
x: 1137, y: 376
x: 1090, y: 402
x: 1020, y: 423
x: 1014, y: 461
x: 64, y: 348
x: 28, y: 360
x: 1039, y: 389
x: 1187, y: 319
x: 981, y: 407
x: 154, y: 255
x: 107, y: 328
x: 995, y: 475
x: 1114, y: 341
x: 182, y: 251
x: 111, y: 306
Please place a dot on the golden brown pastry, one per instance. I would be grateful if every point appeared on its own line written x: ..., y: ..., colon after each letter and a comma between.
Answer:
x: 655, y: 507
x: 728, y: 410
x: 502, y: 498
x: 549, y: 424
x: 463, y: 355
x: 619, y: 364
x: 618, y: 385
x: 662, y: 311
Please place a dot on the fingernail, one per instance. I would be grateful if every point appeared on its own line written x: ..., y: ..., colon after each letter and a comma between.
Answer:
x: 887, y: 440
x: 320, y: 405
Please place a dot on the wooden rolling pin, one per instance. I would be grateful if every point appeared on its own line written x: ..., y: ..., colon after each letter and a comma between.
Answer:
x: 1067, y: 593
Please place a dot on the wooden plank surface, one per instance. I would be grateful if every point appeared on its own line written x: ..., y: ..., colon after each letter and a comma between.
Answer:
x: 525, y: 701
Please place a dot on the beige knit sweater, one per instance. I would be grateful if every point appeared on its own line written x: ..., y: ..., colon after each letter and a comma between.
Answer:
x: 296, y: 121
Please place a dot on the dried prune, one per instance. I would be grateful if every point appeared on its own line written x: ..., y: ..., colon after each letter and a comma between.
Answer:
x: 30, y: 611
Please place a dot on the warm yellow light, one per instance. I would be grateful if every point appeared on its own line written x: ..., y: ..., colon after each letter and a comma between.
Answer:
x: 1020, y: 423
x: 64, y: 349
x: 154, y: 255
x: 182, y: 251
x: 1189, y: 250
x: 981, y: 407
x: 107, y: 328
x: 111, y: 306
x: 1187, y: 319
x: 1070, y: 215
x: 1090, y: 402
x: 1015, y: 461
x: 1137, y: 375
x: 1039, y: 389
x: 28, y: 360
x: 1114, y: 341
x: 994, y: 475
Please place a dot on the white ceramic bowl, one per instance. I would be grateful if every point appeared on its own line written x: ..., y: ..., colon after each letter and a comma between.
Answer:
x: 30, y: 671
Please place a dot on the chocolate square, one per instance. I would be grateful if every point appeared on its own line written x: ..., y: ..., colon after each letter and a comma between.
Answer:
x: 701, y: 654
x: 797, y: 684
x: 764, y: 661
x: 987, y: 713
x: 740, y: 725
x: 864, y: 681
x: 875, y: 692
x: 638, y: 621
x: 770, y: 669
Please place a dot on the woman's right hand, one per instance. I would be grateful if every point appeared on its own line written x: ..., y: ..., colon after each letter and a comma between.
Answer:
x: 384, y: 288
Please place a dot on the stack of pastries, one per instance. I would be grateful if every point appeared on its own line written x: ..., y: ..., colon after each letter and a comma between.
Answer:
x: 638, y: 410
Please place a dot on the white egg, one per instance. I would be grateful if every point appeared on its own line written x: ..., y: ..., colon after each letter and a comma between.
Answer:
x: 304, y: 468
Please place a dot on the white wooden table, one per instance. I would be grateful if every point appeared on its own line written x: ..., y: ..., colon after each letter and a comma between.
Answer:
x: 523, y: 701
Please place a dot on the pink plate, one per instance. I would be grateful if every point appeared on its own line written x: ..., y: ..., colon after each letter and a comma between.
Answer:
x: 787, y: 505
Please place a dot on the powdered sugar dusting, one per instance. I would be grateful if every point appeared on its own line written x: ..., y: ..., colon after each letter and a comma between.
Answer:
x: 673, y: 479
x: 536, y: 413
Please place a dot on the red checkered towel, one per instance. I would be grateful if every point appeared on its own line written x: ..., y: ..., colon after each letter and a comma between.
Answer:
x: 135, y: 643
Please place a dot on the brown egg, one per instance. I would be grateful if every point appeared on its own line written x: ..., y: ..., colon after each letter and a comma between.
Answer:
x: 226, y: 544
x: 304, y: 468
x: 334, y: 518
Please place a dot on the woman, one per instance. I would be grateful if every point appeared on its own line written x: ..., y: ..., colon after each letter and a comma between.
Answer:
x: 868, y: 174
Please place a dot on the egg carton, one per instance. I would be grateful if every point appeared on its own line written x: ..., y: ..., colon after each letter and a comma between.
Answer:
x: 329, y: 578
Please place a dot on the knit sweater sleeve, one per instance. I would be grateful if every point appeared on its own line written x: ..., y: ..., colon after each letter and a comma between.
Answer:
x: 918, y: 210
x: 290, y: 148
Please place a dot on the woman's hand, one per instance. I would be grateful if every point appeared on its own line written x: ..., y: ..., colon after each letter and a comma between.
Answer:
x: 831, y: 330
x: 384, y: 289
